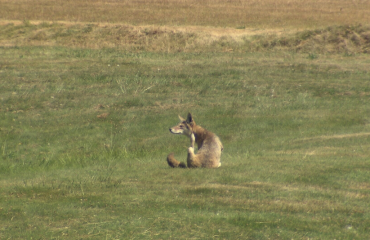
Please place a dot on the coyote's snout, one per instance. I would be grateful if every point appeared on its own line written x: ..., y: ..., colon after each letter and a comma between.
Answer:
x: 209, y: 145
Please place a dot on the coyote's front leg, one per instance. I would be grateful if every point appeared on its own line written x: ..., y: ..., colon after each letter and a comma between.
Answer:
x: 192, y: 140
x: 192, y: 158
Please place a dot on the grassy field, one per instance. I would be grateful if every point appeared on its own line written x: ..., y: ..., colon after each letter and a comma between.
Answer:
x: 216, y: 13
x: 85, y: 109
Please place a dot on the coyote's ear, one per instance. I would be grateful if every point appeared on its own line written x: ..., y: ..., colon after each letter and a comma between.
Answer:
x: 181, y: 119
x: 189, y: 119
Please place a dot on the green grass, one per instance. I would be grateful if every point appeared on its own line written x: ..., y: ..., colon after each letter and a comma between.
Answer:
x: 295, y: 130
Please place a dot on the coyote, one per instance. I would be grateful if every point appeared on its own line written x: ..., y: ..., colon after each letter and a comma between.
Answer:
x: 209, y: 146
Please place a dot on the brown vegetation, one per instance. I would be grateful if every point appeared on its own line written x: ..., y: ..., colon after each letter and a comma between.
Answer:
x: 216, y: 13
x: 188, y: 25
x: 336, y: 39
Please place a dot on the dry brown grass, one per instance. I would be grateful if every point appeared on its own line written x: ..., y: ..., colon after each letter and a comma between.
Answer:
x: 187, y: 25
x: 216, y: 13
x: 340, y: 39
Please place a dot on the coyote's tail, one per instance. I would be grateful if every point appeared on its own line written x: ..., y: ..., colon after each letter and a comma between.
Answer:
x: 171, y: 160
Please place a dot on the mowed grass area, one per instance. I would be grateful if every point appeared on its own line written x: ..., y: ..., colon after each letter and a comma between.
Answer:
x: 85, y: 109
x: 215, y: 13
x: 84, y: 137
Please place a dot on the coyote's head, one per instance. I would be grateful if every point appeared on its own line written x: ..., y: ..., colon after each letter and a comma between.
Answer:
x: 185, y: 127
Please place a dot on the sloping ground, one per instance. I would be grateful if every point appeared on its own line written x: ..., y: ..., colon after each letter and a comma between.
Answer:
x: 348, y: 39
x: 336, y: 39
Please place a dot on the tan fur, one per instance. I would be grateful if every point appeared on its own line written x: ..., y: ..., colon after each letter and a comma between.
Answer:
x: 209, y: 146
